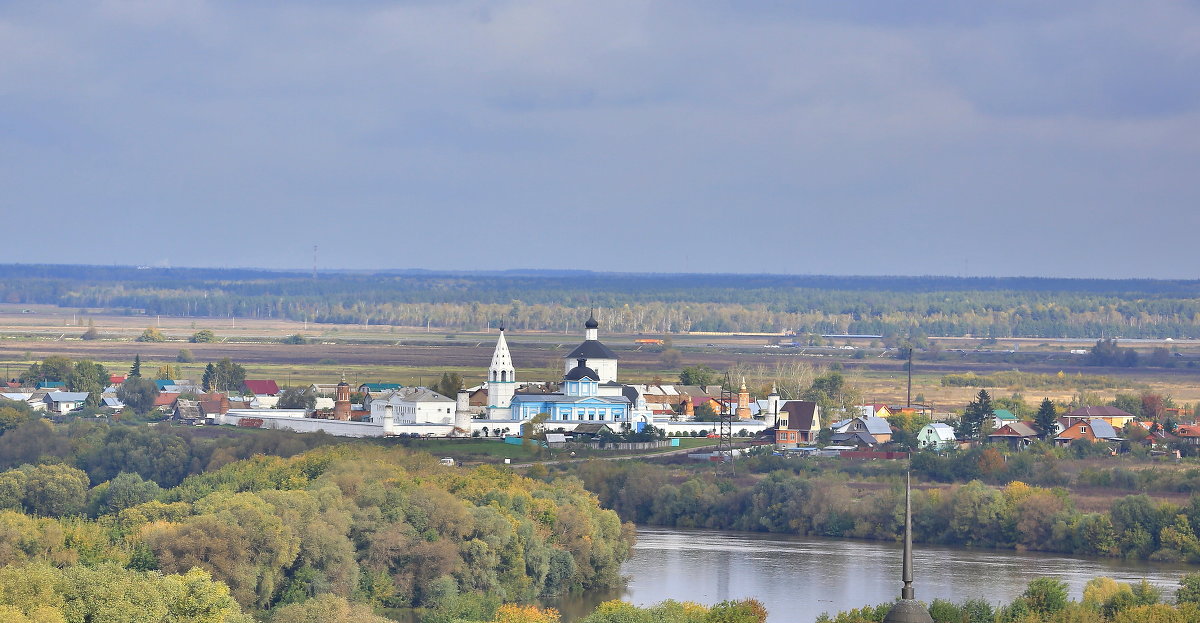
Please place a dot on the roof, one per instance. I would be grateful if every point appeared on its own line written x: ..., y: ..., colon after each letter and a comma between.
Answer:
x: 379, y: 387
x: 1186, y: 430
x: 50, y: 384
x: 17, y: 396
x: 1005, y: 414
x: 876, y: 425
x: 799, y: 414
x: 116, y: 379
x: 261, y: 386
x: 165, y: 399
x: 163, y: 383
x: 188, y: 409
x: 1100, y: 429
x: 414, y: 394
x: 1098, y: 412
x: 1103, y: 430
x: 566, y: 398
x: 942, y: 432
x: 591, y: 322
x: 1016, y: 429
x: 859, y: 438
x: 580, y: 372
x: 591, y: 429
x: 67, y: 396
x: 556, y: 438
x: 592, y: 349
x: 113, y: 403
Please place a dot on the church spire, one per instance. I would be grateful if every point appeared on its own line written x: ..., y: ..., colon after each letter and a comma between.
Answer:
x: 908, y: 609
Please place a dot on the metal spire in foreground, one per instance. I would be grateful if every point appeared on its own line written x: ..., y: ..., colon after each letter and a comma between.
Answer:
x: 908, y: 609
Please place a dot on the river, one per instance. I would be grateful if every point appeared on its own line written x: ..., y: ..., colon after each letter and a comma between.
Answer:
x: 798, y: 578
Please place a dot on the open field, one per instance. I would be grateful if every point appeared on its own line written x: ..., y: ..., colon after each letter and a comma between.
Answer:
x: 415, y: 356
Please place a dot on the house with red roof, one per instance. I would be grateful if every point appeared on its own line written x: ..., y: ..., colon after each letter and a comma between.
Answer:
x: 1188, y: 433
x: 261, y: 387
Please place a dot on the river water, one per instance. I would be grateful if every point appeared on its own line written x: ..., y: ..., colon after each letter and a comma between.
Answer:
x: 798, y: 578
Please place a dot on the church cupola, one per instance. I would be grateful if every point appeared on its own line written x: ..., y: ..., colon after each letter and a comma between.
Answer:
x: 591, y: 327
x: 600, y: 357
x: 581, y: 380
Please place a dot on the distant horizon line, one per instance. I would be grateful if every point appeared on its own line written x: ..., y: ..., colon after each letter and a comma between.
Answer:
x: 583, y: 272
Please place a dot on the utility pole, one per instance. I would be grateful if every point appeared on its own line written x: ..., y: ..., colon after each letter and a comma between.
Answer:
x: 910, y: 355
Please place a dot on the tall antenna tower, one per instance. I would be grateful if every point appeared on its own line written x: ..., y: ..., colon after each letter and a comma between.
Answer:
x: 314, y: 261
x: 725, y: 430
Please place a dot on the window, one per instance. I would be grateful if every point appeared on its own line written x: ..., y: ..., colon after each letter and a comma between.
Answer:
x: 1083, y: 429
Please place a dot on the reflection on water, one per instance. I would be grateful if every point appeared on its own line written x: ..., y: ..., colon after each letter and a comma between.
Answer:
x: 799, y: 578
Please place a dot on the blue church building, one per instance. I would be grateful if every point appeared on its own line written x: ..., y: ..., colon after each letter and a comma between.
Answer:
x: 579, y: 400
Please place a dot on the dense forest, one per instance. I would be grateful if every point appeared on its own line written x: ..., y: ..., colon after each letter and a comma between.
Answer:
x: 634, y: 303
x: 121, y: 523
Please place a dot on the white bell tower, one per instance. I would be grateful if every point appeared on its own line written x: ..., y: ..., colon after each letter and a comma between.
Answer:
x: 502, y: 379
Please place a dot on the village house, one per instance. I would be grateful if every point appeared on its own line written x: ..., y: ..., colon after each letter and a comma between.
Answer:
x: 937, y: 436
x: 864, y: 431
x: 1016, y: 434
x: 64, y: 402
x: 798, y: 422
x: 1094, y: 429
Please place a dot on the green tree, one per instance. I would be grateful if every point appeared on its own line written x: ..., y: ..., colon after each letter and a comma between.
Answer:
x: 152, y: 334
x: 124, y: 491
x: 185, y: 356
x: 698, y: 375
x: 91, y: 333
x: 705, y: 413
x: 449, y: 384
x: 297, y: 398
x: 1189, y: 589
x: 136, y: 370
x: 1047, y: 416
x: 295, y: 338
x: 326, y: 609
x: 977, y: 412
x: 55, y: 490
x: 88, y: 376
x: 228, y: 375
x: 208, y: 380
x: 203, y: 336
x: 138, y: 394
x: 1046, y: 596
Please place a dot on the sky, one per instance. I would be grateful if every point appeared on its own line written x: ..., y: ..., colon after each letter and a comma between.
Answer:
x: 1010, y: 138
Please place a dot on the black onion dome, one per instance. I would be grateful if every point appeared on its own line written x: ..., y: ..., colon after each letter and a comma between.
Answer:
x: 581, y: 371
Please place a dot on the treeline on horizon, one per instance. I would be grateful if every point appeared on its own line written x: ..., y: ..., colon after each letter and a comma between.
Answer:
x: 633, y: 303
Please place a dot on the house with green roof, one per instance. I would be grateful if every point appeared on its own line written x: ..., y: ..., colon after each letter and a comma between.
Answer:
x: 375, y: 388
x: 1000, y: 417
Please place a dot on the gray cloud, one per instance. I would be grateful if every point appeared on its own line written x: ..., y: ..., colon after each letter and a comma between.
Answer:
x: 882, y: 137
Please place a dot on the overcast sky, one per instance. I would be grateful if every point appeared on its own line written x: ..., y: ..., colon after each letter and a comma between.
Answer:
x: 1021, y: 137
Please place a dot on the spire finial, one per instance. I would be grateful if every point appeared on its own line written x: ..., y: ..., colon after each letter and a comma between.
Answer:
x: 907, y: 592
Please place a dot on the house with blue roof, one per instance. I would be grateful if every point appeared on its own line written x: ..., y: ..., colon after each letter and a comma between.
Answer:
x: 864, y: 431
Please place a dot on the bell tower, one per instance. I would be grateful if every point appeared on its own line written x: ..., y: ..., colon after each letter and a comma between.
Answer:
x: 502, y: 377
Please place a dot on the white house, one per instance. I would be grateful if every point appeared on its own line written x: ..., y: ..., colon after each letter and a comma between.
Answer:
x: 937, y: 435
x: 64, y: 402
x: 414, y: 405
